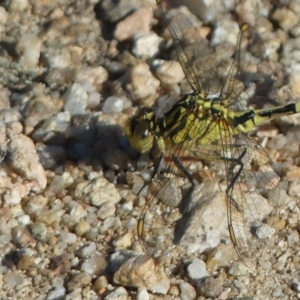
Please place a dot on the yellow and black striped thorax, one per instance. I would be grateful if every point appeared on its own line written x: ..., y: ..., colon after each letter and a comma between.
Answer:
x: 196, y: 119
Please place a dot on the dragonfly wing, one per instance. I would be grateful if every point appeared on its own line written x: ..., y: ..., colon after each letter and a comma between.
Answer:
x: 175, y: 201
x: 155, y: 227
x: 199, y: 62
x: 252, y: 194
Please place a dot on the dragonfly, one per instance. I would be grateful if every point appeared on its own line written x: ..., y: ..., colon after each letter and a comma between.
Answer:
x: 210, y: 124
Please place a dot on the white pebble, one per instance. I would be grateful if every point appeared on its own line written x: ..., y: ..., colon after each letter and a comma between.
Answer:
x: 129, y: 224
x: 75, y: 99
x: 142, y: 294
x: 29, y: 48
x: 94, y: 265
x: 77, y: 212
x: 10, y: 115
x: 59, y: 57
x: 87, y: 250
x: 110, y: 223
x: 113, y: 104
x: 97, y: 192
x: 94, y: 76
x: 23, y: 220
x: 197, y: 269
x: 3, y: 15
x: 12, y: 197
x: 237, y: 269
x: 188, y: 292
x: 5, y: 239
x: 4, y: 227
x: 225, y: 30
x: 128, y: 206
x: 123, y: 241
x: 119, y: 293
x: 67, y: 237
x: 107, y: 209
x: 58, y: 292
x: 12, y: 279
x: 18, y: 5
x: 146, y: 45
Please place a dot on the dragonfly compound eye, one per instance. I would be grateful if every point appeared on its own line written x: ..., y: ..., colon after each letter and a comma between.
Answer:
x: 142, y: 130
x: 141, y: 138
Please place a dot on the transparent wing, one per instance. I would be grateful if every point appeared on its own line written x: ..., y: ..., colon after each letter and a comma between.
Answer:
x: 173, y: 206
x: 252, y: 188
x: 253, y: 79
x: 240, y: 77
x: 198, y: 60
x: 252, y: 195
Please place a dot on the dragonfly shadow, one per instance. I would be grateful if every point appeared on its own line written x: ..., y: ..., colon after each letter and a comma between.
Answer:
x: 191, y: 209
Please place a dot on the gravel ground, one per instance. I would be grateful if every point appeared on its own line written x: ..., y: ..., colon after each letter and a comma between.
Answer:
x: 72, y: 73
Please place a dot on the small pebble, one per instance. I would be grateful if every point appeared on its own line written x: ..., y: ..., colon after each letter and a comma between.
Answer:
x: 240, y: 286
x: 77, y: 212
x: 238, y: 269
x: 135, y: 23
x: 142, y: 83
x: 60, y: 264
x: 142, y: 271
x: 18, y: 5
x: 146, y: 45
x: 75, y: 99
x: 94, y: 265
x: 79, y: 281
x: 97, y: 192
x: 209, y: 287
x: 22, y: 237
x: 142, y: 294
x: 106, y: 209
x: 277, y: 293
x: 94, y: 100
x: 225, y: 30
x: 38, y: 230
x: 29, y: 48
x: 119, y: 293
x: 25, y: 262
x: 113, y: 104
x: 296, y: 286
x: 87, y: 250
x: 23, y: 220
x: 101, y: 283
x: 168, y: 72
x: 58, y: 292
x: 3, y: 15
x: 111, y: 223
x: 197, y: 269
x: 286, y: 18
x: 188, y: 292
x: 12, y: 279
x: 124, y: 241
x: 68, y: 237
x: 82, y: 227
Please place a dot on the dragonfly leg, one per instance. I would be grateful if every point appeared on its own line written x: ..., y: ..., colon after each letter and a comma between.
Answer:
x: 235, y: 162
x: 155, y: 172
x: 179, y: 164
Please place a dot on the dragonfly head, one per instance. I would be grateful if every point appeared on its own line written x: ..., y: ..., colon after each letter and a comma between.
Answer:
x: 140, y: 130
